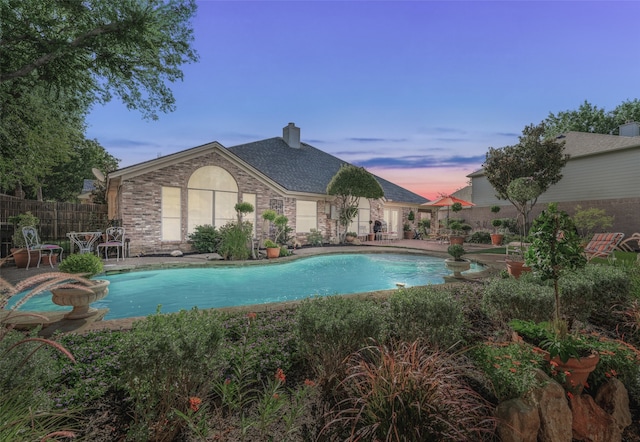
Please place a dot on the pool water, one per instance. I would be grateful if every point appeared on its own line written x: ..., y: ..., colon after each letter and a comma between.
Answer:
x: 139, y: 293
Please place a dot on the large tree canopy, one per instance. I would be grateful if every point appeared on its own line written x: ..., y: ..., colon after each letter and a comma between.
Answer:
x: 96, y: 48
x: 590, y: 118
x: 58, y: 58
x: 349, y: 184
x: 536, y: 158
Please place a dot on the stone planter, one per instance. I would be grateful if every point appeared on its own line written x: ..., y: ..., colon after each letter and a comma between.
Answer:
x: 457, y: 267
x: 349, y: 238
x: 80, y: 298
x: 496, y: 239
x: 273, y: 252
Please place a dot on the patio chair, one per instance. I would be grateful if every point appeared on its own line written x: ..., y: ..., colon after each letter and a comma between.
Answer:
x: 33, y: 244
x: 114, y: 239
x: 602, y: 245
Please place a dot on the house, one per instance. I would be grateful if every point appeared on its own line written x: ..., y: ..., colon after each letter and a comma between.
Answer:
x: 161, y: 201
x: 603, y: 172
x: 86, y: 196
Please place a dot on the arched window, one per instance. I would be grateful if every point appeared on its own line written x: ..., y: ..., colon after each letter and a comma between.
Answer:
x: 212, y: 194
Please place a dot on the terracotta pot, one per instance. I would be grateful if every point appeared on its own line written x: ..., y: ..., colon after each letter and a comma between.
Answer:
x: 576, y: 370
x: 408, y: 234
x: 273, y: 252
x: 81, y: 298
x: 454, y: 239
x: 496, y: 239
x: 457, y: 267
x: 371, y: 236
x: 45, y: 259
x: 515, y: 268
x: 22, y: 258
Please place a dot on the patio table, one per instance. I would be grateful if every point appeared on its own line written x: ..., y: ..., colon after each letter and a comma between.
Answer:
x: 85, y: 241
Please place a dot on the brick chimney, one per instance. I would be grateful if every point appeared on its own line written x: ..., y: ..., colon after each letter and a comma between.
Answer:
x: 291, y: 135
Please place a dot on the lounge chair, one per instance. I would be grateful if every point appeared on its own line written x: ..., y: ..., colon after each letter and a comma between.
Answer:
x: 602, y: 245
x: 33, y: 244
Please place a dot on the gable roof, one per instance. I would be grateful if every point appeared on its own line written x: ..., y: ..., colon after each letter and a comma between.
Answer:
x: 306, y: 169
x: 582, y: 144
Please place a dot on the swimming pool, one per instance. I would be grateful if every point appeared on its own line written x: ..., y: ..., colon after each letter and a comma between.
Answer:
x: 139, y: 293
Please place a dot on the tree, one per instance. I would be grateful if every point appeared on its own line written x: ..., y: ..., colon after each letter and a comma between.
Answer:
x: 536, y: 158
x: 591, y: 119
x: 60, y: 58
x: 37, y: 131
x: 97, y: 48
x: 350, y: 184
x: 67, y: 178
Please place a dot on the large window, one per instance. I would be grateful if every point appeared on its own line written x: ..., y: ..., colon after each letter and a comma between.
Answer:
x: 360, y: 224
x: 212, y: 196
x: 171, y: 214
x: 306, y: 216
x: 392, y: 219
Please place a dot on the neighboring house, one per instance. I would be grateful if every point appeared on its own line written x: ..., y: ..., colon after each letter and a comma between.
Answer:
x: 160, y: 202
x: 86, y: 196
x: 603, y: 172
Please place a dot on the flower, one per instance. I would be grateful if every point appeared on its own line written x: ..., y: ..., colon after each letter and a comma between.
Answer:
x: 309, y: 383
x: 280, y: 375
x: 194, y: 403
x: 252, y: 316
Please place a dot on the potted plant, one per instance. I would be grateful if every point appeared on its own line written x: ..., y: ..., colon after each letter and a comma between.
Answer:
x: 273, y: 251
x: 555, y: 249
x: 83, y: 291
x: 406, y: 229
x: 372, y: 234
x: 496, y: 236
x: 456, y: 236
x: 350, y: 236
x: 19, y: 251
x: 456, y: 263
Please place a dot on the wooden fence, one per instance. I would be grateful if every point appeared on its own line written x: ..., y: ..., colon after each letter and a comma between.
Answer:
x: 56, y: 219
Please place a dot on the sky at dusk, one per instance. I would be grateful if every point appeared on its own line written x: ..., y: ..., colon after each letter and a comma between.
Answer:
x: 414, y: 91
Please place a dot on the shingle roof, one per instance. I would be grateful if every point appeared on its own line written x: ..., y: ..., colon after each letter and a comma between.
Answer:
x: 306, y: 169
x: 581, y: 143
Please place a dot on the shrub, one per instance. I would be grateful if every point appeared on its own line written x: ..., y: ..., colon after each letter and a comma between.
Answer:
x: 234, y: 241
x: 314, y: 238
x: 480, y: 238
x: 267, y: 338
x: 506, y: 299
x: 205, y: 239
x: 428, y: 313
x: 408, y: 394
x: 165, y: 360
x: 511, y: 368
x: 331, y: 328
x: 617, y: 359
x: 95, y: 371
x: 86, y: 264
